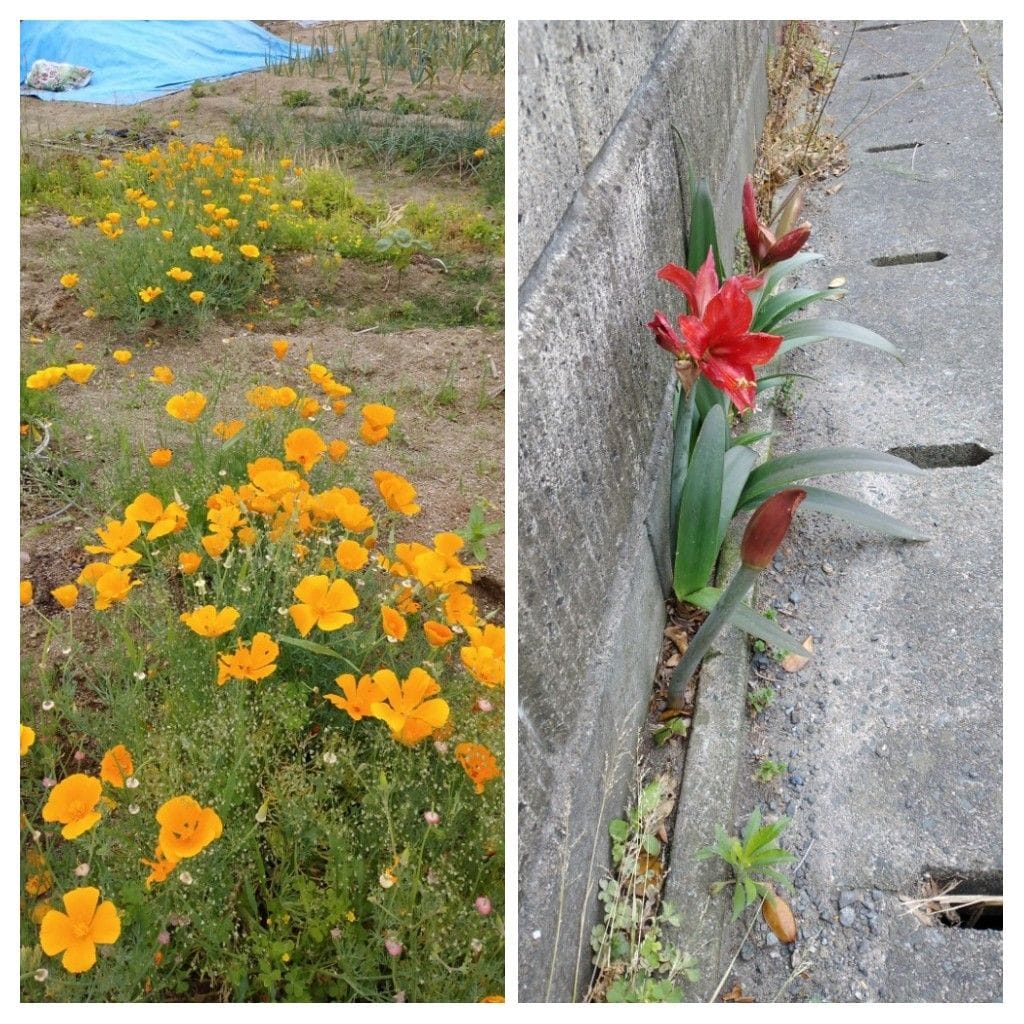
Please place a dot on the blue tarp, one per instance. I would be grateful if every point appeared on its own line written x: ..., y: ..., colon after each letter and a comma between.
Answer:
x: 134, y: 61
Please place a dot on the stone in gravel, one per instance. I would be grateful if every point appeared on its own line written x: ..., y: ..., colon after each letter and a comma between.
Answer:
x: 747, y: 952
x: 794, y: 596
x: 796, y: 780
x: 772, y: 940
x: 847, y: 898
x: 827, y: 568
x: 828, y: 914
x: 877, y: 895
x: 790, y: 808
x: 847, y: 916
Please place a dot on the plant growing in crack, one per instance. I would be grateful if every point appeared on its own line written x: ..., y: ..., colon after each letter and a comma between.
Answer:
x: 755, y: 856
x: 634, y: 961
x: 768, y: 771
x: 732, y: 327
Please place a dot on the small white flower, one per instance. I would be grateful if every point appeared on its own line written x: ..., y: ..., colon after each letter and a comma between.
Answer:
x: 282, y: 611
x: 222, y: 472
x: 185, y: 878
x: 48, y: 705
x: 133, y: 808
x: 131, y: 782
x: 330, y: 757
x: 199, y: 583
x: 407, y: 584
x: 82, y: 870
x: 139, y: 676
x: 392, y: 640
x: 41, y: 975
x: 457, y: 628
x: 536, y: 934
x: 65, y: 651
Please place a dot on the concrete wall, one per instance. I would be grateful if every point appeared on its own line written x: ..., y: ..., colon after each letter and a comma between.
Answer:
x: 600, y: 211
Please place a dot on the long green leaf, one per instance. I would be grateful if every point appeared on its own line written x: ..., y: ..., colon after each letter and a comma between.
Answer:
x: 707, y: 395
x: 775, y: 474
x: 860, y: 514
x: 805, y: 332
x: 315, y: 648
x: 680, y: 455
x: 703, y: 234
x: 738, y: 464
x: 785, y: 268
x: 750, y: 621
x: 751, y: 437
x: 700, y: 506
x: 778, y: 307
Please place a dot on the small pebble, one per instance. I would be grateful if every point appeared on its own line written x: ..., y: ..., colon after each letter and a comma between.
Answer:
x: 847, y: 898
x: 847, y: 916
x: 794, y: 596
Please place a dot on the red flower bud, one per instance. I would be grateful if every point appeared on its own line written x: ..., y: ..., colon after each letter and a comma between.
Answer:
x: 768, y: 527
x: 664, y: 334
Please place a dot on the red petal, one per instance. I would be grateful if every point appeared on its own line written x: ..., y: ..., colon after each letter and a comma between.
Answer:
x: 729, y: 313
x: 664, y: 334
x: 684, y: 281
x: 696, y: 336
x: 748, y: 349
x: 750, y: 222
x: 707, y: 283
x: 788, y: 245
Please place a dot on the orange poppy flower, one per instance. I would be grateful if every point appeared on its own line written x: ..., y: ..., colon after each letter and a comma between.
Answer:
x: 227, y: 430
x: 187, y: 407
x: 254, y: 662
x: 207, y: 621
x: 394, y: 625
x: 28, y: 737
x: 337, y: 450
x: 26, y: 592
x: 478, y: 763
x: 324, y: 603
x: 280, y: 347
x: 73, y: 803
x: 41, y: 380
x: 485, y: 657
x: 437, y: 633
x: 377, y: 419
x: 359, y: 697
x: 351, y: 555
x: 189, y: 562
x: 117, y: 537
x: 162, y: 375
x: 459, y: 608
x: 112, y: 587
x: 76, y: 933
x: 161, y: 457
x: 80, y: 372
x: 304, y: 446
x: 397, y: 492
x: 405, y: 709
x: 186, y: 828
x: 116, y: 766
x: 66, y: 596
x: 162, y: 867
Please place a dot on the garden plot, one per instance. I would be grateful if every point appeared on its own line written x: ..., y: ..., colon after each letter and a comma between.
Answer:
x: 261, y: 558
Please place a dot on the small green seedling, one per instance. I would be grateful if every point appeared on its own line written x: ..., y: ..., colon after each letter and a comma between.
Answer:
x: 673, y: 727
x: 477, y: 530
x: 758, y: 700
x: 768, y: 770
x: 753, y: 857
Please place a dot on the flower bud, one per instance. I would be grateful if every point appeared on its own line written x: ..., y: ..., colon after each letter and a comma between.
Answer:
x: 768, y: 527
x: 778, y: 916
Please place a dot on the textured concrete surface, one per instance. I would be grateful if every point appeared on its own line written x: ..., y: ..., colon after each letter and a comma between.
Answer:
x: 892, y: 733
x: 601, y: 212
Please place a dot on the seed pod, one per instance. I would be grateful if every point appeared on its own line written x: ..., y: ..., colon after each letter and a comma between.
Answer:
x: 777, y: 915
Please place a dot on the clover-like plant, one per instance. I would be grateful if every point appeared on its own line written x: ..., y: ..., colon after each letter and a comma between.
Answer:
x: 754, y: 857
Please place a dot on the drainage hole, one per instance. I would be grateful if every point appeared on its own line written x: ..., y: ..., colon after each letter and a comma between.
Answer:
x: 892, y: 149
x: 958, y: 900
x: 875, y: 28
x: 910, y: 257
x: 943, y: 456
x: 891, y: 74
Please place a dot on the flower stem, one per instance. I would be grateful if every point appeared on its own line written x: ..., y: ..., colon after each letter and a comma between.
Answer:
x: 699, y: 646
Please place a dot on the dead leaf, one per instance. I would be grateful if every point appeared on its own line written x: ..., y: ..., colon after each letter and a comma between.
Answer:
x: 669, y: 713
x: 678, y: 636
x: 795, y: 662
x: 779, y: 917
x: 837, y: 282
x: 834, y: 189
x: 672, y: 660
x: 649, y: 873
x: 735, y: 995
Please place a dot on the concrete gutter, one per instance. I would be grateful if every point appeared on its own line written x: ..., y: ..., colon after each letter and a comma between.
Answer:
x: 892, y: 733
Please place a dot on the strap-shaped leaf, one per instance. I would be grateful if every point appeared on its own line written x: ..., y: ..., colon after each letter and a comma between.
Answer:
x: 680, y: 454
x: 776, y: 274
x: 776, y: 474
x: 778, y: 307
x: 735, y: 472
x: 750, y: 621
x: 751, y: 437
x: 805, y: 332
x: 707, y: 395
x: 703, y: 234
x: 700, y: 507
x: 819, y: 499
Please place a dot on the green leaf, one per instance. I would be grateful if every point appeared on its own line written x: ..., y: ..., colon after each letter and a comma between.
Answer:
x: 860, y: 514
x: 764, y: 835
x: 739, y: 901
x: 786, y: 303
x: 804, y: 332
x: 778, y: 878
x: 751, y: 437
x: 784, y: 269
x: 651, y: 845
x: 739, y: 461
x: 749, y: 620
x: 707, y: 396
x: 680, y: 454
x: 703, y: 234
x: 750, y: 891
x: 700, y: 507
x: 776, y: 474
x: 314, y: 648
x: 618, y: 830
x: 752, y: 825
x: 772, y: 855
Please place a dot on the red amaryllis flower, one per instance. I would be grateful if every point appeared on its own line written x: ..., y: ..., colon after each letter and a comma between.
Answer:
x: 764, y: 249
x: 702, y: 287
x: 718, y: 342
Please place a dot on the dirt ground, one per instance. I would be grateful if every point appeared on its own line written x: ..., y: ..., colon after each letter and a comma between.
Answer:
x: 446, y: 384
